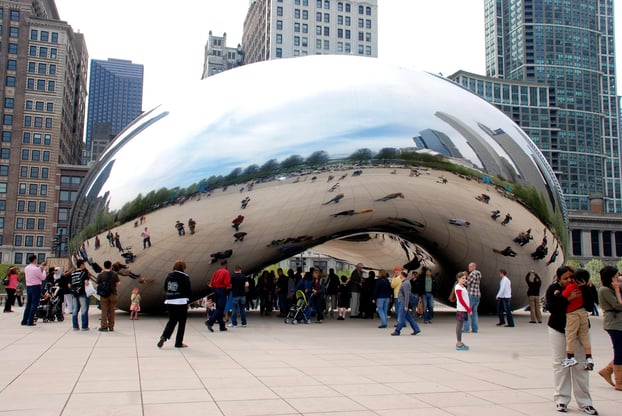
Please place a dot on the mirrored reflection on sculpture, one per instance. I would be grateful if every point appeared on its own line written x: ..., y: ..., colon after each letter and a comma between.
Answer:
x: 259, y: 163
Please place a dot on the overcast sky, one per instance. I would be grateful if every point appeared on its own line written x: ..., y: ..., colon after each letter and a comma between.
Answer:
x: 169, y: 38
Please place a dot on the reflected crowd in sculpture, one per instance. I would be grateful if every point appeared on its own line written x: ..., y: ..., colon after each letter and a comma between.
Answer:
x: 277, y: 157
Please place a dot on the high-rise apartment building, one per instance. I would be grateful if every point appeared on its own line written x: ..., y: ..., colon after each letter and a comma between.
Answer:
x: 219, y: 57
x: 115, y: 100
x: 550, y: 66
x: 287, y: 28
x: 43, y: 67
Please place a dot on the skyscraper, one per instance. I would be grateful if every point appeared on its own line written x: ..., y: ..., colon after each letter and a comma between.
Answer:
x: 569, y: 46
x: 219, y: 57
x: 44, y: 65
x: 115, y: 99
x: 550, y: 66
x: 287, y: 28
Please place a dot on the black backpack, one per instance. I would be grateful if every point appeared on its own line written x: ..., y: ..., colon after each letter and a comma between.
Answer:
x: 104, y: 288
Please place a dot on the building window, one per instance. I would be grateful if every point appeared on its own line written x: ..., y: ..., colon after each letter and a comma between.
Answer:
x: 41, y: 224
x: 22, y: 189
x: 368, y: 11
x: 3, y: 187
x: 30, y: 83
x: 296, y: 13
x: 45, y: 36
x: 5, y: 153
x: 42, y: 68
x: 63, y: 214
x: 48, y: 123
x: 318, y: 30
x: 279, y: 11
x: 368, y: 50
x: 14, y: 32
x: 326, y: 31
x: 45, y: 173
x: 14, y: 15
x: 4, y: 170
x: 367, y: 24
x: 34, y: 172
x: 326, y: 17
x: 305, y: 15
x: 32, y: 51
x: 348, y: 8
x: 347, y: 20
x: 279, y: 25
x: 23, y: 171
x: 42, y: 206
x: 360, y: 9
x: 38, y: 122
x: 54, y: 37
x: 340, y: 6
x: 21, y: 206
x: 279, y: 39
x: 296, y: 40
x: 18, y: 240
x: 19, y: 223
x: 305, y: 28
x: 2, y: 205
x: 318, y: 44
x: 43, y: 52
x: 49, y: 107
x: 53, y: 53
x: 40, y: 85
x: 30, y: 223
x: 19, y: 258
x: 361, y: 36
x: 39, y: 106
x: 9, y: 102
x: 279, y: 52
x: 32, y: 189
x: 47, y: 139
x: 51, y: 86
x: 318, y: 17
x: 326, y: 44
x: 13, y: 48
x: 347, y: 34
x: 44, y: 190
x: 11, y: 64
x: 52, y: 69
x: 36, y: 138
x: 297, y: 27
x: 33, y: 34
x: 32, y: 206
x: 46, y: 155
x: 326, y: 4
x: 361, y: 50
x: 31, y: 67
x: 7, y: 120
x: 28, y: 241
x: 27, y: 121
x: 10, y: 81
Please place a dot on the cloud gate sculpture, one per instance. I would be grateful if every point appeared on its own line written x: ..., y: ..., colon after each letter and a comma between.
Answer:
x: 306, y: 151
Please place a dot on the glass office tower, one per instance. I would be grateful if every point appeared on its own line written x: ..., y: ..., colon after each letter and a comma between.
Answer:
x: 567, y: 45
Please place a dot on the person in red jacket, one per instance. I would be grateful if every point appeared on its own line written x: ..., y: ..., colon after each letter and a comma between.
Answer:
x: 221, y: 283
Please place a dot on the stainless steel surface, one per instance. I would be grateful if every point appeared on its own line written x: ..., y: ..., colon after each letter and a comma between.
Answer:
x: 244, y: 127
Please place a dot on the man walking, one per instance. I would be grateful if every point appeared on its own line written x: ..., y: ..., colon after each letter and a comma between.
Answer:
x: 429, y: 285
x: 79, y: 280
x: 221, y: 282
x: 107, y: 282
x: 472, y: 285
x: 503, y: 300
x: 402, y: 305
x: 35, y: 275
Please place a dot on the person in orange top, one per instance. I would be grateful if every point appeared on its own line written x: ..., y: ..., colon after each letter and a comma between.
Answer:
x: 221, y: 283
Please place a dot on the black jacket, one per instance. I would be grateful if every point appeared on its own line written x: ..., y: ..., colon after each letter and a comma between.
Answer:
x: 177, y: 285
x: 556, y: 305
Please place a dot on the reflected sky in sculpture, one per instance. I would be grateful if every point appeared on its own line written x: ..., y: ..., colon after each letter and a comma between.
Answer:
x: 335, y: 104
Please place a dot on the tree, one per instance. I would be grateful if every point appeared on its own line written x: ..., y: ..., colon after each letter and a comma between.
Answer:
x: 318, y: 158
x: 361, y: 155
x: 251, y: 170
x: 270, y: 166
x: 292, y: 162
x: 387, y: 153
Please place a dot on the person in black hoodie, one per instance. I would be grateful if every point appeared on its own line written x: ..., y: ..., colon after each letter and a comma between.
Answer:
x: 178, y: 291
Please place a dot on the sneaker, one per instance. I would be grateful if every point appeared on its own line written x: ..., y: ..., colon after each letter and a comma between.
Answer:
x: 86, y: 329
x: 395, y: 334
x: 569, y: 362
x: 416, y: 332
x: 589, y: 366
x: 560, y: 407
x: 589, y: 410
x: 462, y: 347
x: 209, y: 326
x: 243, y: 325
x: 103, y: 329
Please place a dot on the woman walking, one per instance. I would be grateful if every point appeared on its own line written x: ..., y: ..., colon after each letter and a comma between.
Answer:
x: 611, y: 302
x: 178, y: 290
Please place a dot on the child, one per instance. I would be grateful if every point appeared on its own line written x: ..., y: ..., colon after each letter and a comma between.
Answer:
x: 134, y: 304
x: 463, y: 308
x: 343, y: 298
x: 577, y: 324
x: 210, y: 306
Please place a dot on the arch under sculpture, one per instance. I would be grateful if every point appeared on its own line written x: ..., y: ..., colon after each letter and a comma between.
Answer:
x: 326, y: 148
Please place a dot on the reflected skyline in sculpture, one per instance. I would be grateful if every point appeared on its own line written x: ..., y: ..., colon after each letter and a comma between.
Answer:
x: 328, y: 158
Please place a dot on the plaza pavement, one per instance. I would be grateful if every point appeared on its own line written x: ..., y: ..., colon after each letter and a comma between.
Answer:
x: 269, y: 368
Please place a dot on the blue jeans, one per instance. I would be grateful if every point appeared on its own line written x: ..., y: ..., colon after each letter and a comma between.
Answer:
x: 33, y: 294
x: 503, y: 309
x: 80, y: 304
x: 403, y: 316
x: 238, y: 302
x: 616, y: 340
x: 472, y: 319
x: 428, y: 307
x: 382, y: 306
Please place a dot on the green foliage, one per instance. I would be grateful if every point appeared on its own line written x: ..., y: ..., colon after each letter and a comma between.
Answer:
x: 574, y: 263
x: 593, y: 267
x: 3, y: 269
x: 619, y: 264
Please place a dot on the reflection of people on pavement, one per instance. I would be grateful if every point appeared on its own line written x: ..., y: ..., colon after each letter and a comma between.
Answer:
x: 123, y: 270
x: 334, y: 187
x: 459, y: 222
x: 442, y: 180
x: 220, y: 255
x: 506, y: 251
x: 483, y: 198
x: 540, y: 253
x: 553, y: 256
x: 507, y: 219
x: 180, y: 228
x: 237, y: 221
x: 352, y: 212
x: 495, y: 214
x: 391, y: 196
x: 245, y: 202
x: 192, y: 225
x: 523, y: 237
x: 336, y: 199
x: 239, y: 236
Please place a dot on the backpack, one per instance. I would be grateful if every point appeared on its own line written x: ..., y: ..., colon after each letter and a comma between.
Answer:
x: 76, y: 282
x: 104, y: 288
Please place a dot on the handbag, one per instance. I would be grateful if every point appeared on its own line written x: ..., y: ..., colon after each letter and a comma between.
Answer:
x: 90, y: 290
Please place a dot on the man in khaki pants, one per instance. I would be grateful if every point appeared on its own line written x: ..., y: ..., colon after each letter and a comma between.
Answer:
x: 107, y: 282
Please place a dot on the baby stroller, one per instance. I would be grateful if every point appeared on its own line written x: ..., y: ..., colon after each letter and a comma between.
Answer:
x: 51, y: 304
x: 297, y: 311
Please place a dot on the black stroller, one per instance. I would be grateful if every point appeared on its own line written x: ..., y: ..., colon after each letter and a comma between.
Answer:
x: 297, y: 311
x: 50, y: 304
